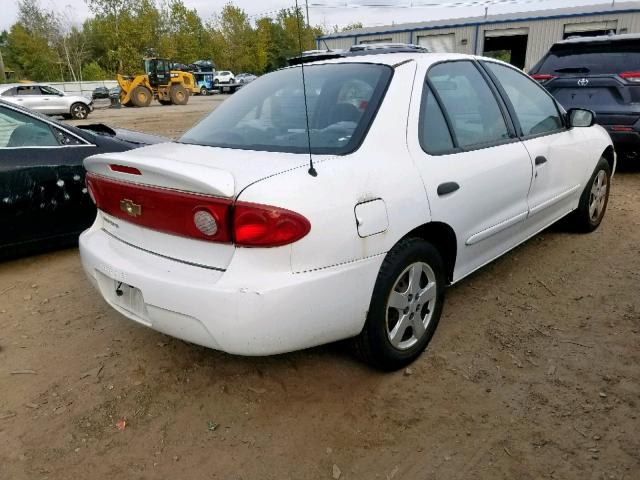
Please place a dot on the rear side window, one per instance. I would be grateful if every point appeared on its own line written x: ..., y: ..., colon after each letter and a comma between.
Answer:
x: 592, y: 58
x: 472, y: 108
x: 535, y: 110
x: 435, y: 137
x: 29, y: 90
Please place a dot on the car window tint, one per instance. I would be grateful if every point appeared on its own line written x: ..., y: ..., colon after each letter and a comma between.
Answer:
x: 470, y: 104
x: 9, y: 93
x: 49, y: 90
x: 19, y: 130
x: 269, y: 113
x: 535, y: 110
x: 29, y: 90
x: 595, y: 58
x: 435, y: 137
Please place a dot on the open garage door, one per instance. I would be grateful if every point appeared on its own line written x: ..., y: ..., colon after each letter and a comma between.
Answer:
x: 508, y: 45
x: 590, y: 29
x: 442, y: 43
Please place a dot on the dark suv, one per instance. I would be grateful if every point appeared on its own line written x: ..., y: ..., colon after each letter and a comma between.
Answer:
x: 601, y: 74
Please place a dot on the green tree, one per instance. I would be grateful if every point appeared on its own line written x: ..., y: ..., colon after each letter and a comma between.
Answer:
x: 93, y: 71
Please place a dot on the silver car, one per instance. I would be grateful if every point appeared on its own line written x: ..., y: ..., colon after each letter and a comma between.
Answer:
x: 47, y: 99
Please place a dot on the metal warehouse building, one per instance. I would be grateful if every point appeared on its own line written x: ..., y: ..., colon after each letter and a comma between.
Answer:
x: 520, y: 38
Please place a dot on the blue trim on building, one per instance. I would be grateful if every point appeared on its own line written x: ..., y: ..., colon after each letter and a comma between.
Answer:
x: 479, y: 24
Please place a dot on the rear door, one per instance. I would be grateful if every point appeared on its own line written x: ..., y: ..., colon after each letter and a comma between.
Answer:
x: 556, y: 151
x: 476, y: 171
x: 602, y: 75
x: 28, y: 96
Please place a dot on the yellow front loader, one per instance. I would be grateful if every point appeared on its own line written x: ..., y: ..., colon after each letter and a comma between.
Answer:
x: 170, y: 87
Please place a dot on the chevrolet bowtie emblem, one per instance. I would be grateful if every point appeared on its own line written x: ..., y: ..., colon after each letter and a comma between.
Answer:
x: 130, y: 208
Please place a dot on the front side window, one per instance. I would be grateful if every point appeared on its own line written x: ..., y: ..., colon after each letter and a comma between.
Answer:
x: 269, y: 113
x: 19, y: 130
x: 476, y: 118
x: 535, y: 110
x: 46, y: 90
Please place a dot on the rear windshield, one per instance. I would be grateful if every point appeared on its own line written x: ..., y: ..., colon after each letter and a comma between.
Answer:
x: 592, y: 58
x: 269, y: 113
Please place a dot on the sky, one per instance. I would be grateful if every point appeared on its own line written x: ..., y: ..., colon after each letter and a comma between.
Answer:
x: 393, y: 11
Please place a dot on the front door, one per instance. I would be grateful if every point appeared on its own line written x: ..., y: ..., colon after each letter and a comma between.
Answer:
x: 42, y: 189
x: 476, y: 172
x: 552, y: 147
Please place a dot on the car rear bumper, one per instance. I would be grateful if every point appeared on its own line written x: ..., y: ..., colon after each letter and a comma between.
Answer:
x: 243, y: 310
x: 625, y: 142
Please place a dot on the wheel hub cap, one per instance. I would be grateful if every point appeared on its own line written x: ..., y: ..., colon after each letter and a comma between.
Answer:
x: 410, y: 305
x: 598, y: 196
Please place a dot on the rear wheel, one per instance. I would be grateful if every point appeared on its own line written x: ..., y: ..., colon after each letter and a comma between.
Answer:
x: 79, y: 111
x: 179, y: 95
x: 594, y: 199
x: 405, y: 306
x: 141, y: 96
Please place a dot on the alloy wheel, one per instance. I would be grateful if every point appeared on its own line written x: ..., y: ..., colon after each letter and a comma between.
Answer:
x: 598, y: 196
x: 410, y: 305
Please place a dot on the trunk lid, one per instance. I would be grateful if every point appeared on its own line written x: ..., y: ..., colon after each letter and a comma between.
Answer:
x: 207, y: 171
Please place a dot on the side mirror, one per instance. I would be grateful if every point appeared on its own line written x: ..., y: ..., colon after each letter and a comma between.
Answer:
x: 579, y: 117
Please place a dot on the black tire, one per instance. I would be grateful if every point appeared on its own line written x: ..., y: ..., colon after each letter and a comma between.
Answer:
x: 203, y: 91
x: 179, y: 95
x: 373, y: 344
x: 79, y: 111
x: 583, y: 219
x: 141, y: 96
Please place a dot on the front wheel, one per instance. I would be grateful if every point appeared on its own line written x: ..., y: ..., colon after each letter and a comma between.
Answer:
x: 203, y: 91
x: 79, y: 111
x: 405, y: 306
x: 179, y: 95
x: 594, y: 199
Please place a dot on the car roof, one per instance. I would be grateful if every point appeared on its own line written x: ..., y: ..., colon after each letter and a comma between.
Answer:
x: 600, y: 38
x: 393, y: 59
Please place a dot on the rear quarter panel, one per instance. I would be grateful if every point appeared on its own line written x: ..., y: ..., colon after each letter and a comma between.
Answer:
x: 380, y: 169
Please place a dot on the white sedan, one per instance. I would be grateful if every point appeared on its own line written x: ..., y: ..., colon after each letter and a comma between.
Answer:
x: 425, y: 168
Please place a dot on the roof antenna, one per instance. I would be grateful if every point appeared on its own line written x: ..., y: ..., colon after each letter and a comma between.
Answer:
x: 312, y: 170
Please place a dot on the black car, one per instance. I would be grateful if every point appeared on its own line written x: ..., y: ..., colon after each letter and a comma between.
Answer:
x: 601, y: 74
x: 100, y: 92
x: 44, y: 202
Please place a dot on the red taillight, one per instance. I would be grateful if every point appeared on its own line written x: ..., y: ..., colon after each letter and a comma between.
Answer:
x: 165, y: 210
x: 264, y: 226
x: 198, y: 216
x: 125, y: 169
x: 543, y: 77
x: 619, y: 128
x: 631, y: 76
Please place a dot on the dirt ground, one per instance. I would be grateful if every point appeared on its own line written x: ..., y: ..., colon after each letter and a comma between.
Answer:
x: 533, y: 373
